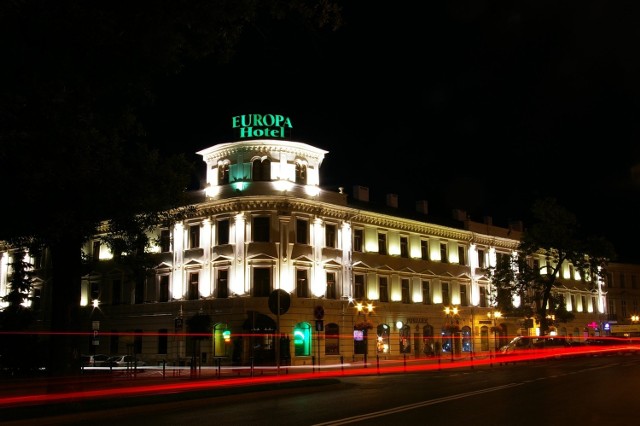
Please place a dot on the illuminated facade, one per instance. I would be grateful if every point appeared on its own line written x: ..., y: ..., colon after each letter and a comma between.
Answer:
x: 263, y: 223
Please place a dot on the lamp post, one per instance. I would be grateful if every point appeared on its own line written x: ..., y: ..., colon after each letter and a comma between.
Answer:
x: 495, y: 315
x: 451, y: 312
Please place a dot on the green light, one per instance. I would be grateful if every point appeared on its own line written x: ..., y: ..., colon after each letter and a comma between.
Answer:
x: 226, y: 335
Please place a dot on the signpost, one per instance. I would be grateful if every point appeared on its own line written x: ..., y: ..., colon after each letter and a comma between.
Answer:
x: 279, y: 303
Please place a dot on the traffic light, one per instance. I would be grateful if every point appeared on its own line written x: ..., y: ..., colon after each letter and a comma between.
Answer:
x: 226, y: 335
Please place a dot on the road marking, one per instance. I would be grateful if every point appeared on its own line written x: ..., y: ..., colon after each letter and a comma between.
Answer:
x: 414, y: 406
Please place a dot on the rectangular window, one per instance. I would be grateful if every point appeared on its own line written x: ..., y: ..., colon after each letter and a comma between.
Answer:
x: 95, y: 290
x: 261, y: 229
x: 382, y: 243
x: 444, y: 257
x: 622, y: 283
x: 139, y: 291
x: 462, y: 258
x: 609, y: 279
x: 483, y: 296
x: 536, y: 266
x: 96, y: 251
x: 165, y: 241
x: 446, y: 298
x: 406, y: 291
x: 223, y: 232
x: 261, y: 282
x: 573, y: 303
x: 424, y: 249
x: 302, y: 231
x: 194, y: 291
x: 623, y: 309
x: 384, y: 289
x: 358, y: 239
x: 584, y: 303
x: 480, y: 258
x: 36, y: 303
x: 330, y: 235
x: 358, y: 287
x: 302, y: 283
x: 223, y: 284
x: 404, y: 247
x: 426, y: 293
x: 163, y: 341
x: 116, y: 292
x: 194, y: 236
x: 332, y: 292
x: 163, y: 293
x: 634, y: 281
x: 464, y: 297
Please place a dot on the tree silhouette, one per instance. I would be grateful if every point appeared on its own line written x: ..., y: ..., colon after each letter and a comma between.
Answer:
x: 557, y: 237
x: 79, y: 80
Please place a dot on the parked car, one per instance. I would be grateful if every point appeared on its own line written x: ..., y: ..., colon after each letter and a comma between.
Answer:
x: 96, y: 360
x: 524, y: 343
x: 123, y: 361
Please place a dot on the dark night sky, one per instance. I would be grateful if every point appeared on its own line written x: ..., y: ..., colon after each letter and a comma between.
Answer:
x: 483, y: 106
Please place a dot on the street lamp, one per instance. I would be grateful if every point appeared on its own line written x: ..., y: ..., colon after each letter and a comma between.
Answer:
x: 635, y: 318
x: 451, y: 313
x: 495, y: 315
x: 365, y: 310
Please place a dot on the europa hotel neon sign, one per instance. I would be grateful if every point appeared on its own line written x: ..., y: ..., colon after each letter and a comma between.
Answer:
x: 261, y: 125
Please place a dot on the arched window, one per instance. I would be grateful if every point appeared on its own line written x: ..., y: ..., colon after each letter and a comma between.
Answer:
x: 302, y: 339
x: 301, y: 173
x: 405, y: 339
x: 223, y: 173
x: 383, y: 339
x: 484, y: 338
x: 261, y: 170
x: 428, y: 347
x: 332, y: 339
x: 219, y: 345
x: 467, y: 343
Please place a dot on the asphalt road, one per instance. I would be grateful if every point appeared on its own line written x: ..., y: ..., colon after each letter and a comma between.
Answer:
x: 586, y: 391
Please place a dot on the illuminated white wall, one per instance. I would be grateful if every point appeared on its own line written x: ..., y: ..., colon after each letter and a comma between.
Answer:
x: 177, y: 278
x: 237, y: 285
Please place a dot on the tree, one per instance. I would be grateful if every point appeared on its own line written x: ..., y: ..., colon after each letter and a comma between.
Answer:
x: 18, y: 350
x: 79, y: 79
x: 556, y: 237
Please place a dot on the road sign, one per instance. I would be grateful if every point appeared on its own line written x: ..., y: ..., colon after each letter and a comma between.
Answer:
x: 284, y: 301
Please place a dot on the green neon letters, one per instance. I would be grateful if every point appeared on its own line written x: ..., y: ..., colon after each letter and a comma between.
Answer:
x: 259, y: 125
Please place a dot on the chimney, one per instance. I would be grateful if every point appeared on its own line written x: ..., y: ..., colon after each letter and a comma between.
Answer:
x: 516, y: 225
x: 392, y: 200
x: 459, y: 214
x: 422, y: 206
x: 361, y: 193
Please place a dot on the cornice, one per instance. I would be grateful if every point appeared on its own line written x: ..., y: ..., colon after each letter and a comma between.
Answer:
x: 286, y: 206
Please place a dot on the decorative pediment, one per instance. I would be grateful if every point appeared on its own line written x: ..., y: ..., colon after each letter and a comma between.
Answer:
x: 222, y: 259
x: 261, y: 256
x: 193, y: 263
x: 162, y: 265
x: 361, y: 264
x: 302, y: 259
